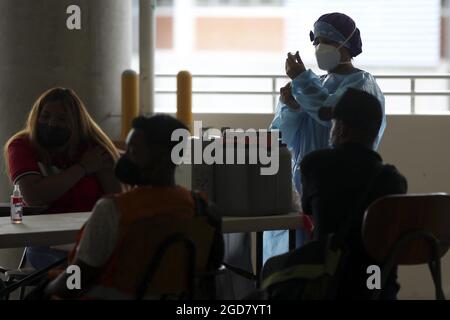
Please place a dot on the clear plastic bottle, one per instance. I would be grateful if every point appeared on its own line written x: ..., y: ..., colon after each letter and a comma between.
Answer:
x: 16, y: 206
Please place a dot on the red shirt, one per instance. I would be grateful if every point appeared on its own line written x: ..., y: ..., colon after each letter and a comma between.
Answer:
x: 23, y: 160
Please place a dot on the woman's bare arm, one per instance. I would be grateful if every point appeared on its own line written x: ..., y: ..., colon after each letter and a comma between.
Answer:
x: 38, y: 190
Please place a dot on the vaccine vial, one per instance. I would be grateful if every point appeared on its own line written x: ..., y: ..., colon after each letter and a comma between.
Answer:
x: 16, y: 206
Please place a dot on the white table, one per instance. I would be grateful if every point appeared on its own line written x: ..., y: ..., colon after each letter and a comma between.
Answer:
x: 41, y: 230
x: 59, y: 229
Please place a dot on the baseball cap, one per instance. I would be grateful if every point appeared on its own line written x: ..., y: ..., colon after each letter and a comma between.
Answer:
x: 356, y: 109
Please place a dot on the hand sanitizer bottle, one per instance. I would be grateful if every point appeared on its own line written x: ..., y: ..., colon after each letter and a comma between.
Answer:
x: 16, y: 206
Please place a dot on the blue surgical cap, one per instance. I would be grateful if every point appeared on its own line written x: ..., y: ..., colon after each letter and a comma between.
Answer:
x: 338, y: 27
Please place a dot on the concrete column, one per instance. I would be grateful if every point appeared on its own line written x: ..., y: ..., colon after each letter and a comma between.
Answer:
x: 147, y: 44
x: 445, y: 16
x: 38, y: 51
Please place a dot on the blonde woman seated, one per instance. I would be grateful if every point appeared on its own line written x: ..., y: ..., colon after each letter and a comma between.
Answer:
x: 62, y: 160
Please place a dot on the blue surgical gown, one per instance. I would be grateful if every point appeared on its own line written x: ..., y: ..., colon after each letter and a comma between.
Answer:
x: 304, y: 132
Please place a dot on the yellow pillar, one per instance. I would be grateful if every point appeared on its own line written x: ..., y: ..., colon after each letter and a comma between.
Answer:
x: 184, y: 98
x: 130, y: 100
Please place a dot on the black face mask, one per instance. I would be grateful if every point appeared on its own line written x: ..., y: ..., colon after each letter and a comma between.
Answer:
x: 52, y: 137
x: 127, y: 172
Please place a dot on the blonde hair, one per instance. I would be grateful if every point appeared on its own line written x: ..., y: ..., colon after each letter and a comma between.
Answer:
x: 84, y: 128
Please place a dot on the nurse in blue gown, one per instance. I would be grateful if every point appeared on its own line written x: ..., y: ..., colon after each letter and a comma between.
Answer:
x: 336, y: 40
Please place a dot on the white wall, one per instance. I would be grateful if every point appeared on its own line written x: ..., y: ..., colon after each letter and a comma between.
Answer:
x: 418, y: 147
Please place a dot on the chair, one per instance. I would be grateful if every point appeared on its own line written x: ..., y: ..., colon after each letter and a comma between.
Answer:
x: 160, y: 257
x: 166, y: 256
x: 408, y: 230
x: 32, y: 279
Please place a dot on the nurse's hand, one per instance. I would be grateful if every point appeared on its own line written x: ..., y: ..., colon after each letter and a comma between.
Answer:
x: 287, y: 98
x: 294, y: 65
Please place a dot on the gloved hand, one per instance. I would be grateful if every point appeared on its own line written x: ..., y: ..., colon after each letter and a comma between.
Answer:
x: 287, y: 98
x: 294, y: 65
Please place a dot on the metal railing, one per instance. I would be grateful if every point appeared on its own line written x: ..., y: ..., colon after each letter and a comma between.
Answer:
x: 413, y: 93
x: 274, y: 92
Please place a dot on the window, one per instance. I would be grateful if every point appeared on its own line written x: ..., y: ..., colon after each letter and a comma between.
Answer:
x: 240, y: 3
x: 252, y: 37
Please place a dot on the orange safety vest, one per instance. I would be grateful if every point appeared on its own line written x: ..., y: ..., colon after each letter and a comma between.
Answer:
x: 140, y: 203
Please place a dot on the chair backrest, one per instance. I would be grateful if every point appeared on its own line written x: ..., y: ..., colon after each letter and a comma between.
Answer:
x: 390, y: 218
x: 141, y: 243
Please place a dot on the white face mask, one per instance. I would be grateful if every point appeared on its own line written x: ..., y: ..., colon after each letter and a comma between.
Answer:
x: 329, y: 57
